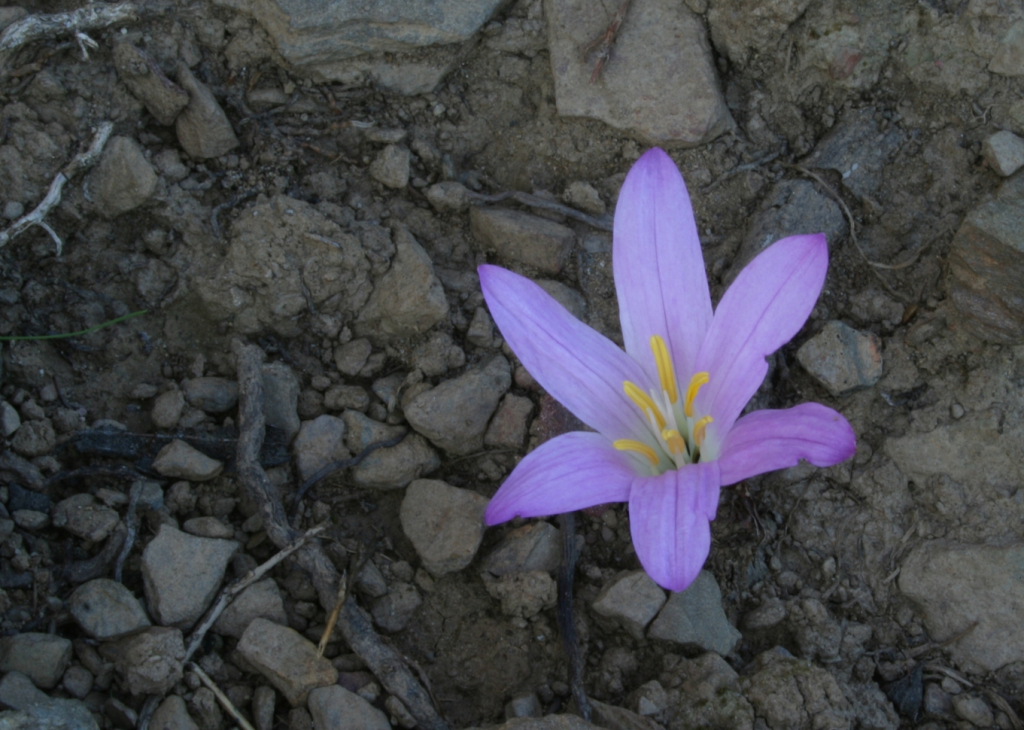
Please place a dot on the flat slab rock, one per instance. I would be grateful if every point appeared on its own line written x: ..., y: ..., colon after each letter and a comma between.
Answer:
x: 695, y: 616
x: 286, y: 658
x: 842, y: 359
x: 676, y: 101
x: 105, y: 609
x: 444, y: 523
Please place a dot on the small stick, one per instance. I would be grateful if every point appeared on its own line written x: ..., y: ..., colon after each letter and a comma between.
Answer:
x: 604, y: 43
x: 332, y: 620
x: 604, y: 223
x: 43, y: 27
x: 82, y: 161
x: 221, y: 697
x: 566, y: 621
x: 133, y: 525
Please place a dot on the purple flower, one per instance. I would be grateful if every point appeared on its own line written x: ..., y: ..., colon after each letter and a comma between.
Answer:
x: 666, y: 411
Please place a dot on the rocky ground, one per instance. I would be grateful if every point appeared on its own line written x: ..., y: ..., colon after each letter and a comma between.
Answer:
x: 320, y: 182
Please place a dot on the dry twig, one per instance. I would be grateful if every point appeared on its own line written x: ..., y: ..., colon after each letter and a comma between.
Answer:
x: 43, y: 27
x: 604, y: 223
x: 604, y: 43
x: 82, y: 161
x: 221, y: 697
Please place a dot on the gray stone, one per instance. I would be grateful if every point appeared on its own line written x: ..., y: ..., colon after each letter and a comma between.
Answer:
x: 260, y: 600
x: 584, y: 196
x: 525, y: 704
x: 974, y: 710
x: 957, y: 586
x: 770, y: 613
x: 178, y: 460
x: 150, y: 662
x: 9, y: 419
x: 438, y: 355
x: 481, y: 329
x: 370, y: 581
x: 536, y: 546
x: 140, y: 73
x: 522, y: 238
x: 793, y: 694
x: 632, y: 93
x: 409, y: 299
x: 631, y: 600
x: 53, y: 714
x: 84, y: 517
x: 739, y: 29
x: 336, y: 707
x: 286, y: 659
x: 167, y: 409
x: 454, y: 415
x: 34, y: 438
x: 204, y: 705
x: 18, y: 692
x: 212, y: 395
x: 29, y: 519
x: 172, y: 714
x: 448, y: 196
x: 1004, y: 152
x: 208, y: 526
x: 40, y: 657
x: 391, y: 167
x: 77, y: 681
x: 346, y: 397
x: 394, y: 467
x: 123, y: 179
x: 264, y: 700
x: 523, y: 595
x: 319, y: 443
x: 508, y: 427
x: 281, y: 398
x: 181, y: 574
x: 351, y: 357
x: 1008, y: 59
x: 105, y: 609
x: 695, y: 616
x: 858, y: 150
x: 842, y: 359
x: 444, y: 524
x: 202, y: 127
x: 392, y: 611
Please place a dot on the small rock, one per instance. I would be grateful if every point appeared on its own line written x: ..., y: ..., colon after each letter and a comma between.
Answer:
x: 974, y: 710
x: 18, y: 692
x: 28, y: 519
x: 346, y: 397
x: 695, y: 616
x: 508, y: 427
x: 1008, y: 59
x: 264, y: 699
x: 9, y: 418
x: 167, y: 409
x: 40, y: 657
x: 319, y: 443
x: 792, y: 693
x: 181, y: 574
x: 936, y: 701
x: 396, y: 466
x: 202, y: 127
x: 260, y: 600
x: 1004, y: 152
x: 523, y: 705
x: 523, y: 595
x: 172, y: 714
x: 84, y: 517
x: 584, y: 196
x: 34, y: 438
x: 19, y: 498
x: 123, y: 179
x: 650, y: 698
x: 481, y: 329
x: 150, y: 661
x: 163, y: 98
x: 105, y: 609
x: 522, y: 238
x: 454, y: 415
x: 52, y: 714
x: 438, y: 355
x: 537, y: 546
x: 335, y: 707
x: 393, y: 611
x: 444, y: 524
x: 77, y: 681
x: 286, y: 659
x: 631, y: 600
x: 842, y: 359
x: 391, y: 167
x: 448, y: 196
x: 351, y: 357
x: 204, y: 705
x: 281, y: 397
x: 770, y: 613
x: 178, y: 460
x: 208, y: 527
x: 212, y: 395
x: 399, y: 713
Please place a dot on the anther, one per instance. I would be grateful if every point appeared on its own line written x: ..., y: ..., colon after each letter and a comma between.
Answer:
x: 643, y: 402
x: 675, y: 441
x: 637, y: 447
x: 699, y: 429
x: 696, y: 381
x: 665, y: 371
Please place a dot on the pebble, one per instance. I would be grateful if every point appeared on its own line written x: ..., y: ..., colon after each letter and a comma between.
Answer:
x: 181, y: 574
x: 51, y: 714
x: 167, y: 409
x: 370, y: 581
x: 335, y: 707
x: 444, y: 524
x: 508, y: 427
x: 286, y: 659
x: 150, y: 661
x: 29, y: 519
x: 202, y: 127
x: 842, y: 359
x: 105, y: 609
x: 260, y: 600
x: 584, y: 196
x: 212, y: 395
x: 208, y: 527
x: 448, y: 196
x: 974, y: 710
x: 524, y: 704
x: 936, y: 701
x: 77, y: 681
x: 392, y: 611
x: 409, y: 299
x: 791, y: 693
x: 399, y: 714
x: 178, y: 460
x: 163, y: 98
x: 454, y: 415
x: 523, y: 595
x: 536, y: 546
x: 1008, y: 59
x: 522, y: 238
x: 172, y: 714
x: 281, y: 397
x: 695, y: 616
x: 631, y: 600
x: 1004, y: 152
x: 9, y: 418
x: 351, y: 357
x: 204, y: 705
x: 264, y: 700
x: 34, y: 438
x: 84, y: 517
x: 43, y: 658
x: 18, y: 692
x: 858, y: 150
x: 123, y: 179
x: 391, y: 167
x: 346, y: 397
x: 394, y: 467
x: 438, y: 355
x: 770, y: 613
x: 481, y: 329
x: 319, y: 443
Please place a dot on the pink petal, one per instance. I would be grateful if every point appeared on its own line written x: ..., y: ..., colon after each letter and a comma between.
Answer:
x: 580, y: 368
x: 659, y: 269
x: 763, y: 441
x: 570, y: 472
x: 669, y: 518
x: 762, y: 310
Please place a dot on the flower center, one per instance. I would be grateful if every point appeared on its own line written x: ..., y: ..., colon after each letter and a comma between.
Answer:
x: 677, y: 431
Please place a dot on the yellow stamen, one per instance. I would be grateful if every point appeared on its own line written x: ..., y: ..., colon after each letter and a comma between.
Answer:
x: 696, y: 381
x: 665, y: 371
x: 675, y: 442
x: 638, y: 447
x: 699, y: 428
x: 643, y: 401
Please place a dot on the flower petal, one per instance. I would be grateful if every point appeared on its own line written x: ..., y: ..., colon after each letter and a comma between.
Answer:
x: 580, y: 368
x: 570, y: 472
x: 669, y: 518
x: 659, y: 269
x: 763, y: 441
x: 762, y: 310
